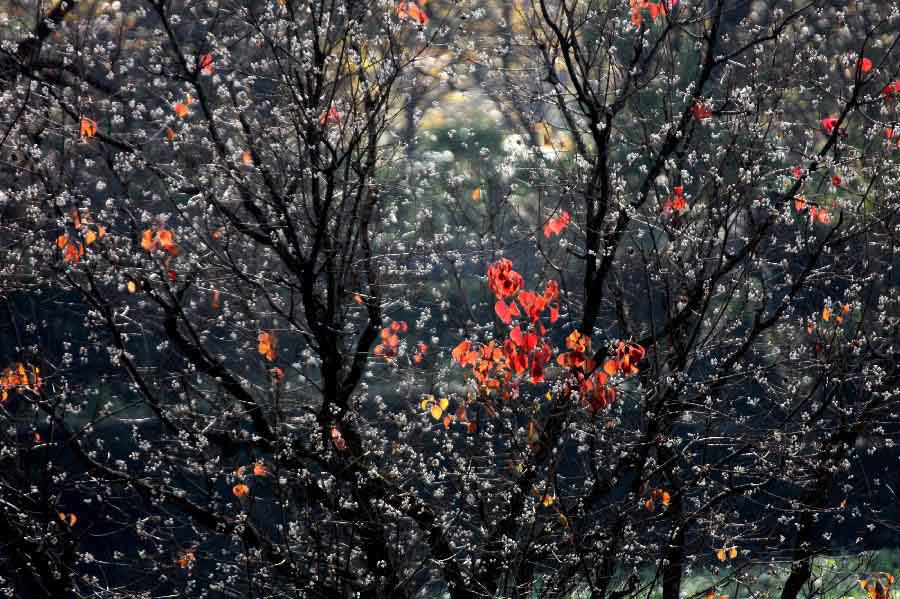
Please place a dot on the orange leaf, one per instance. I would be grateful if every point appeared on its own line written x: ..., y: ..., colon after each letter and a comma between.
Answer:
x: 180, y: 109
x: 267, y: 345
x: 240, y: 490
x: 88, y: 128
x: 476, y: 194
x: 147, y: 240
x: 247, y: 157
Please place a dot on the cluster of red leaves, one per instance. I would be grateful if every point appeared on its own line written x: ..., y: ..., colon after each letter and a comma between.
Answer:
x: 73, y: 250
x: 624, y: 360
x: 655, y: 9
x: 412, y: 10
x: 676, y: 202
x: 420, y: 354
x: 891, y: 91
x: 889, y: 135
x: 19, y: 377
x: 815, y: 212
x: 186, y: 559
x: 330, y: 116
x: 161, y: 239
x: 556, y: 225
x: 593, y: 385
x: 701, y: 111
x: 390, y: 340
x: 242, y: 490
x: 258, y: 469
x: 69, y: 519
x: 865, y: 64
x: 726, y: 552
x: 657, y: 495
x: 505, y: 282
x: 524, y: 350
x: 877, y: 585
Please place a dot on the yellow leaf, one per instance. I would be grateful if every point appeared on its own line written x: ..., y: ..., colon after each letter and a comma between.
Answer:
x: 436, y: 411
x: 720, y: 553
x: 132, y: 286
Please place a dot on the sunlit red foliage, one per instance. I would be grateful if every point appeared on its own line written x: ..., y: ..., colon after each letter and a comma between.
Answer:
x: 556, y: 224
x: 390, y: 340
x: 330, y: 116
x: 625, y: 360
x: 877, y: 585
x: 161, y: 238
x: 18, y: 378
x: 655, y: 495
x: 701, y: 111
x: 677, y: 201
x: 412, y: 10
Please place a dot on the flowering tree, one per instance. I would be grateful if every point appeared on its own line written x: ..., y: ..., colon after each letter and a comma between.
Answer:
x: 270, y: 333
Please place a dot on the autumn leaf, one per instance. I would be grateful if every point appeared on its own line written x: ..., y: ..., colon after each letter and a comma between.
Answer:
x: 180, y: 109
x: 411, y: 10
x: 476, y: 194
x: 88, y: 128
x: 186, y: 559
x: 865, y: 65
x: 69, y: 519
x: 206, y: 64
x: 330, y: 116
x: 240, y: 490
x: 829, y: 123
x: 556, y: 225
x: 266, y: 346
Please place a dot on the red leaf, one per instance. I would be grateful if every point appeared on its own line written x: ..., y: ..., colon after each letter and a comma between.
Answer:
x: 502, y: 311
